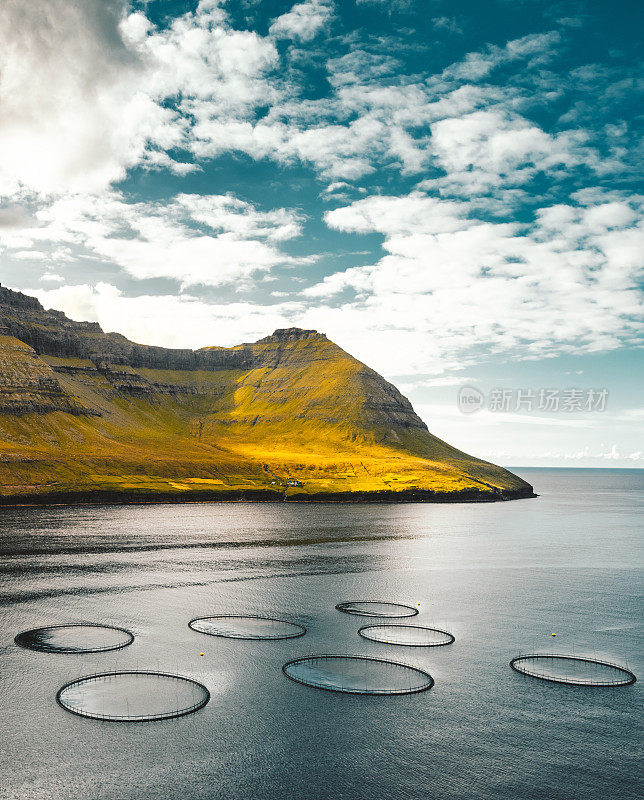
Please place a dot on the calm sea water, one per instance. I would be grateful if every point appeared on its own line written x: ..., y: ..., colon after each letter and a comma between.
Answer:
x: 501, y: 577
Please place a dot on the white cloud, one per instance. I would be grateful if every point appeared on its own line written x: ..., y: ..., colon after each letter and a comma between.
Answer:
x: 492, y: 147
x: 337, y: 151
x: 478, y: 65
x: 303, y: 21
x: 398, y: 215
x: 195, y: 323
x: 74, y: 111
x: 229, y: 214
x: 125, y: 93
x: 213, y: 68
x: 376, y: 116
x: 448, y: 24
x: 78, y: 110
x: 29, y: 255
x: 567, y: 282
x: 439, y: 381
x: 194, y: 239
x: 128, y: 93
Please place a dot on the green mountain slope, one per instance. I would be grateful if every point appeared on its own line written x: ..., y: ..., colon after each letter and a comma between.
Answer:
x: 87, y: 415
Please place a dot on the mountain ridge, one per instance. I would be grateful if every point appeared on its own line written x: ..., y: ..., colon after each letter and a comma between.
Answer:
x: 88, y: 415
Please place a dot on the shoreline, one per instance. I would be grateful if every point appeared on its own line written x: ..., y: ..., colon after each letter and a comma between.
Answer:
x: 103, y: 497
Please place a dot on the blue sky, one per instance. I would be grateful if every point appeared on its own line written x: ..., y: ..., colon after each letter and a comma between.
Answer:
x: 452, y: 191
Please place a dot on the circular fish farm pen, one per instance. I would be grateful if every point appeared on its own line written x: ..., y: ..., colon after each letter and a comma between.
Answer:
x: 82, y: 638
x: 376, y: 608
x: 572, y: 670
x: 132, y: 696
x: 247, y: 627
x: 357, y: 675
x: 407, y: 635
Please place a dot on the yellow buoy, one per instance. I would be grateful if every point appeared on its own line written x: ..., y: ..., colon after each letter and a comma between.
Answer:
x: 202, y: 653
x: 554, y: 634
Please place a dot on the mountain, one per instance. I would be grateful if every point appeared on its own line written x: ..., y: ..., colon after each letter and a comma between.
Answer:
x: 87, y: 415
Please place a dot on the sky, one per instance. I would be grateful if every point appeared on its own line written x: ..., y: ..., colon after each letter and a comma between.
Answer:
x: 451, y: 191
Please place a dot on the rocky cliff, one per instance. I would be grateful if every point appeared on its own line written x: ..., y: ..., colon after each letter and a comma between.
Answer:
x: 90, y: 415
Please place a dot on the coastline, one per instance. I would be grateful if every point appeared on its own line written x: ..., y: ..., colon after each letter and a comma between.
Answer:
x: 103, y: 497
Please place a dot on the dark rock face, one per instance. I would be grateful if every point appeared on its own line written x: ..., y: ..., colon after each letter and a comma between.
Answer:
x: 28, y: 384
x: 18, y: 300
x: 292, y: 335
x: 52, y: 333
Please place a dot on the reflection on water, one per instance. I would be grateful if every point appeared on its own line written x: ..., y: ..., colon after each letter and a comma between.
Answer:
x: 501, y: 577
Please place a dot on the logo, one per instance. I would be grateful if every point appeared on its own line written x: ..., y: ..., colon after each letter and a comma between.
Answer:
x: 470, y: 399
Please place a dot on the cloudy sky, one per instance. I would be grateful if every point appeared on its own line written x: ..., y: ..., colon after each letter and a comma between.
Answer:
x: 449, y: 189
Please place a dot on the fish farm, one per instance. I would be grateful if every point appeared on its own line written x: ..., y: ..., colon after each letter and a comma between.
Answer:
x: 145, y: 695
x: 407, y: 635
x: 376, y: 608
x: 132, y: 696
x: 250, y: 627
x: 357, y: 675
x: 572, y: 670
x: 86, y: 638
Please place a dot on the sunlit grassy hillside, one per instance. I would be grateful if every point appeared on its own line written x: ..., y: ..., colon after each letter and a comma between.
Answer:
x: 292, y: 415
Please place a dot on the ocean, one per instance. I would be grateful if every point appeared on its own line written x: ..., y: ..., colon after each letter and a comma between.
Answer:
x: 501, y: 577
